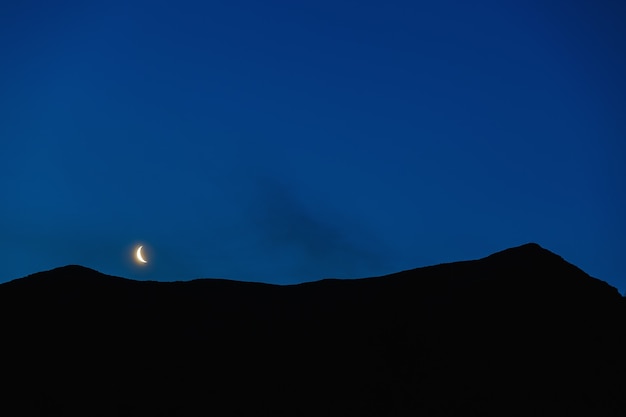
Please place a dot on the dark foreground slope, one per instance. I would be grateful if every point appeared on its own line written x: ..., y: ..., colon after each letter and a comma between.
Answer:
x: 518, y: 333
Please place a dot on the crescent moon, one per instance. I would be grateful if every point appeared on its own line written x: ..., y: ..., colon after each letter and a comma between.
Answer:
x: 139, y: 257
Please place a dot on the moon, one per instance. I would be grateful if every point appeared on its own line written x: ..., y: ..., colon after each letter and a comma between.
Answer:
x: 139, y: 256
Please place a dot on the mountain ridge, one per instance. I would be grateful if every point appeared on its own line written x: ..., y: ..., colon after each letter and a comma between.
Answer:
x: 461, y: 338
x: 518, y: 255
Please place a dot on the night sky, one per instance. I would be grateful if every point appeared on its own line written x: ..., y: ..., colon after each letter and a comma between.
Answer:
x: 290, y: 141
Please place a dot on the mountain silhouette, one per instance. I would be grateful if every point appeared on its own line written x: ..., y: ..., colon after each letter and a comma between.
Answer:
x: 517, y: 333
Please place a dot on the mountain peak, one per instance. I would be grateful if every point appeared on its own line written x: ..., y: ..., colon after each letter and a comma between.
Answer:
x: 69, y: 277
x: 75, y: 269
x: 528, y: 255
x: 528, y: 249
x: 71, y: 272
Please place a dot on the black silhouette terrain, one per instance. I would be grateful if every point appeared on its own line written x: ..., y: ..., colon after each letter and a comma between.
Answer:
x: 518, y: 333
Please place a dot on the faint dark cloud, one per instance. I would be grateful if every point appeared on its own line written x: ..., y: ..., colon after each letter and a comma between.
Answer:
x: 310, y: 240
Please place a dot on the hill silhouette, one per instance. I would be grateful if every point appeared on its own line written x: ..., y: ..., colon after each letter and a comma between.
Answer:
x: 518, y: 333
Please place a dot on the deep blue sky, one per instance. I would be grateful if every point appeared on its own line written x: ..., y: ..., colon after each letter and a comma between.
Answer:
x: 288, y: 141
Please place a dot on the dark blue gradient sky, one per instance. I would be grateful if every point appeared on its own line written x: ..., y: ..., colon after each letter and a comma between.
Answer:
x: 284, y: 141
